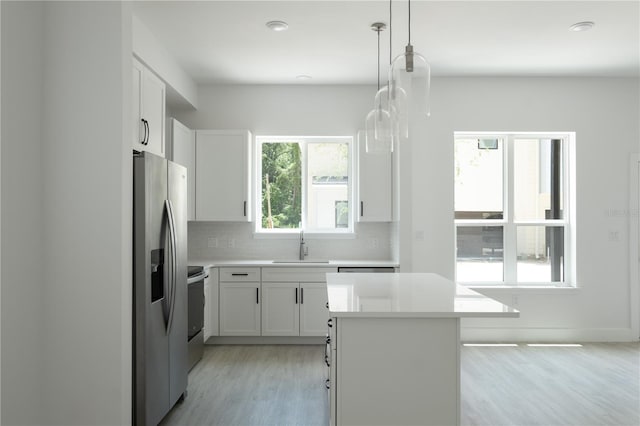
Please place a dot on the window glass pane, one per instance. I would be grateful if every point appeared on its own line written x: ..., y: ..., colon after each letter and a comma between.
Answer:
x: 540, y: 253
x: 538, y: 186
x: 327, y: 185
x: 479, y: 255
x: 478, y: 178
x: 281, y: 185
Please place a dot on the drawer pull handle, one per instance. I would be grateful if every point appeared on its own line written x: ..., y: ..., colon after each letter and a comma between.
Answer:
x: 327, y: 383
x: 239, y: 275
x: 330, y: 323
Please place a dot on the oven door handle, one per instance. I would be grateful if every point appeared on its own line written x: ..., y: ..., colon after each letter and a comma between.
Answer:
x: 198, y: 277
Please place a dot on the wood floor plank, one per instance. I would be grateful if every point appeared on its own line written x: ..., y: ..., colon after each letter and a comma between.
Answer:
x: 596, y: 384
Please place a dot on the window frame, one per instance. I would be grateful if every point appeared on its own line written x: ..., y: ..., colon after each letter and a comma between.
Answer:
x: 304, y: 141
x: 510, y: 225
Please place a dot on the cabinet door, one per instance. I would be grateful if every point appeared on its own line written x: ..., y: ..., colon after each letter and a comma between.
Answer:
x: 183, y: 141
x: 240, y: 309
x: 138, y: 131
x: 280, y: 309
x: 153, y: 99
x: 313, y: 309
x: 374, y: 184
x: 223, y: 176
x: 211, y: 304
x: 148, y: 108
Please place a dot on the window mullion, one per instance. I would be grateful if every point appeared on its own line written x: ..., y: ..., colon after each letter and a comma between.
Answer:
x: 510, y: 243
x: 303, y: 179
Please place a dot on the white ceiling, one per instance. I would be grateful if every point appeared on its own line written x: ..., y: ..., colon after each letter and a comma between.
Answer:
x: 227, y: 42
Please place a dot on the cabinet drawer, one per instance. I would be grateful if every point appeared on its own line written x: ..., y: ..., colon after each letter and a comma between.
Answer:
x: 239, y: 274
x: 296, y: 274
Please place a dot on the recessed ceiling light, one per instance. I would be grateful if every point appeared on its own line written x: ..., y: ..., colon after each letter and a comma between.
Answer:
x: 582, y: 26
x: 303, y: 77
x: 277, y: 25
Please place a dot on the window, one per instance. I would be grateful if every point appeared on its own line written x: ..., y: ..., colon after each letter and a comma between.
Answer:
x: 305, y: 183
x: 512, y: 209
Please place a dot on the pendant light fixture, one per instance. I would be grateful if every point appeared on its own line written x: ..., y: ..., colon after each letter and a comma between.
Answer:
x: 410, y: 82
x: 378, y: 124
x: 388, y: 129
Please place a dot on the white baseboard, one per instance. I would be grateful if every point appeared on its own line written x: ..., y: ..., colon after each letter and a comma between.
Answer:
x: 566, y: 335
x: 265, y: 340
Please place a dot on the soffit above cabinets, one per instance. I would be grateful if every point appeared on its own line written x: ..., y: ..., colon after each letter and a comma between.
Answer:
x: 227, y: 42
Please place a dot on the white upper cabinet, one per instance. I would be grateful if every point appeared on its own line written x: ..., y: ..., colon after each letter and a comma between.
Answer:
x: 148, y: 97
x: 184, y: 152
x: 223, y: 175
x: 374, y: 184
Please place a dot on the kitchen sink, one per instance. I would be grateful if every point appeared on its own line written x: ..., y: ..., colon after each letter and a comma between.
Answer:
x: 299, y: 261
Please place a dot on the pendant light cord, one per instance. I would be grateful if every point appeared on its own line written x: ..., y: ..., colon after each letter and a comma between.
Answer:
x: 378, y: 31
x: 409, y: 21
x: 390, y: 34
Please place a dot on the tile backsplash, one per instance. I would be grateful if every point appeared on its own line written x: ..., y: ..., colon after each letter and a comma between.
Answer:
x: 231, y: 240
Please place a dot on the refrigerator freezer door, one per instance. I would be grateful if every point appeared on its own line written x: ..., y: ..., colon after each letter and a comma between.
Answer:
x: 178, y: 355
x: 150, y: 283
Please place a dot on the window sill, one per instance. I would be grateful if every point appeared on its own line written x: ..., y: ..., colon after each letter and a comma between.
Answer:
x: 307, y: 235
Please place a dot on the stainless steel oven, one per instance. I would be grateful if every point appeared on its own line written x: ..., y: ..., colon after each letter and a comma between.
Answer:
x: 195, y: 322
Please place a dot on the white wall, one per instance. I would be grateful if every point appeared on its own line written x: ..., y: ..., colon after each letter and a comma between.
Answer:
x: 295, y: 110
x: 181, y: 89
x: 604, y: 114
x: 66, y: 220
x: 22, y: 226
x: 86, y: 308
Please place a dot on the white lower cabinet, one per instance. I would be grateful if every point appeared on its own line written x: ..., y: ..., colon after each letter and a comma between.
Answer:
x: 313, y: 309
x: 280, y: 309
x: 240, y: 302
x: 294, y: 301
x: 211, y: 303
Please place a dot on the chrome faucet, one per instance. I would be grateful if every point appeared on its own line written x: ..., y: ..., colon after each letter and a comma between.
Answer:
x: 303, y: 248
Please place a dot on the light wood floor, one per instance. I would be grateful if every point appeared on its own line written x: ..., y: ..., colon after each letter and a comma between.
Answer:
x: 596, y: 384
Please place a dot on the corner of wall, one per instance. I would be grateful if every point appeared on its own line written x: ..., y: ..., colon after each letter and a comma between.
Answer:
x: 181, y: 89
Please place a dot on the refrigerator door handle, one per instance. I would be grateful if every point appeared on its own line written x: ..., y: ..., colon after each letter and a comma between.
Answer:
x: 173, y: 277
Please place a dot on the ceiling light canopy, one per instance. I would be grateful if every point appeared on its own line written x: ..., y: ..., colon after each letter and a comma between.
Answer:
x: 582, y: 26
x: 277, y: 25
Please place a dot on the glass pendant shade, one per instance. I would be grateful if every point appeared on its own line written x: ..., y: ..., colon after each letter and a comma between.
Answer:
x: 411, y: 74
x: 386, y: 128
x: 398, y: 103
x: 378, y: 135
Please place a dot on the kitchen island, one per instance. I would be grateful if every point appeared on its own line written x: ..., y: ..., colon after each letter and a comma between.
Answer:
x: 394, y: 347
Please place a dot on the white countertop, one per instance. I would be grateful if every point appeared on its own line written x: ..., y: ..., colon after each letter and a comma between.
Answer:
x: 406, y: 295
x: 307, y: 263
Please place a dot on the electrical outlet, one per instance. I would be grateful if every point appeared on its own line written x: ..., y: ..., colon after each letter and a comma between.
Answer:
x: 231, y: 243
x: 514, y: 300
x: 212, y: 242
x: 614, y: 235
x: 373, y: 243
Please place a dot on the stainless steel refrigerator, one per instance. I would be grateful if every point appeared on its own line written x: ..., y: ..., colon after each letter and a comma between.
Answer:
x: 159, y: 287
